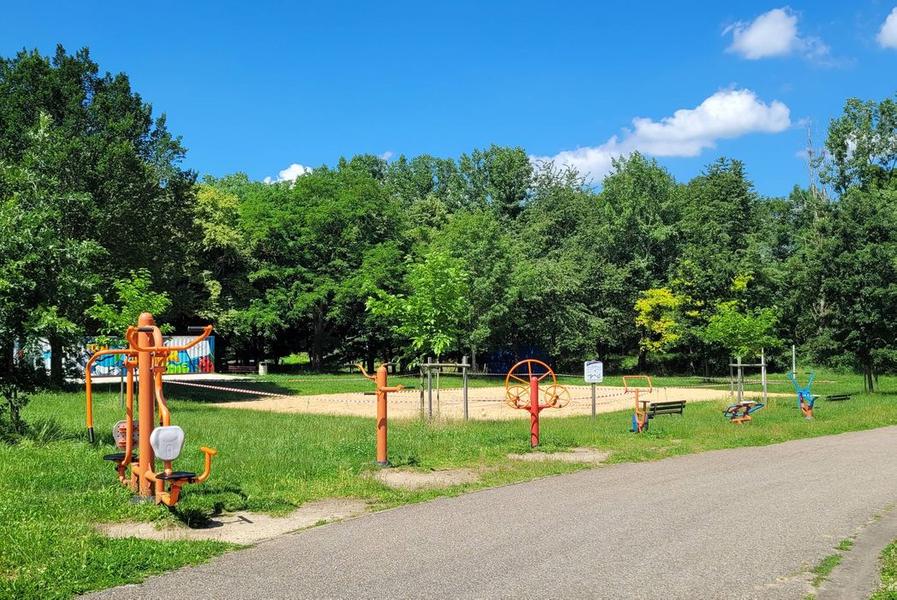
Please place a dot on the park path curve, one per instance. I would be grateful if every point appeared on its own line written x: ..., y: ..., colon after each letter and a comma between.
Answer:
x: 741, y: 523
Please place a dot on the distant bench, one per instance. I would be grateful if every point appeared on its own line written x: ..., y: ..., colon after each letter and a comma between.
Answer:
x: 675, y: 407
x: 838, y: 397
x: 241, y: 369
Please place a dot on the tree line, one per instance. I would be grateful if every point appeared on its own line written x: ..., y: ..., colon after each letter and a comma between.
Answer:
x: 487, y: 255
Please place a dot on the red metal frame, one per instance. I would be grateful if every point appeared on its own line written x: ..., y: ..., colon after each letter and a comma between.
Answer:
x: 558, y: 396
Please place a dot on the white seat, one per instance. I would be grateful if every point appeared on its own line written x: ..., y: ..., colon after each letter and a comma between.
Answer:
x: 167, y: 442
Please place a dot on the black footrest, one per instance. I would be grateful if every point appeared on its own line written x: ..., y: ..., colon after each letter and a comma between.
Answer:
x: 176, y: 475
x: 118, y: 457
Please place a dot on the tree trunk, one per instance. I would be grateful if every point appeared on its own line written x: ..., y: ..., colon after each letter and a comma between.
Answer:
x: 57, y: 378
x: 868, y: 377
x: 642, y: 361
x: 316, y: 341
x: 7, y: 356
x: 369, y: 359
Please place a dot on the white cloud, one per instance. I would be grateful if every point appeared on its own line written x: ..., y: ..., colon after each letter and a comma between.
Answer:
x: 773, y: 33
x: 724, y: 115
x: 291, y: 173
x: 387, y: 155
x: 887, y: 35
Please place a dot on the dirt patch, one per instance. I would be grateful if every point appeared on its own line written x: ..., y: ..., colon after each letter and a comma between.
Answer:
x: 243, y: 527
x: 415, y: 480
x: 577, y: 455
x: 484, y: 403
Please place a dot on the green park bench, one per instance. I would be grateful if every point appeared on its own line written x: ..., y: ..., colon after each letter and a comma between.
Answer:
x: 675, y: 407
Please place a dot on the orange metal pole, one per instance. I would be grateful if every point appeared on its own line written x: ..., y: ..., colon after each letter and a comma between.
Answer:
x: 534, y: 411
x: 145, y: 408
x: 382, y: 459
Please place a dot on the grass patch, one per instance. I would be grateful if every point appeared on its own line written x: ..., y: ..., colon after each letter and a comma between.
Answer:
x: 845, y: 545
x: 888, y: 588
x: 825, y: 567
x: 55, y: 489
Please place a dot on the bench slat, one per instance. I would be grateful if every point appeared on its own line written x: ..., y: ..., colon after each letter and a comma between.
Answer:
x: 675, y: 407
x: 838, y: 397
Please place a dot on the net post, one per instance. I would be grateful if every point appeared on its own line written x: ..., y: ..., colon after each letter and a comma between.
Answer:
x: 429, y: 387
x: 464, y: 385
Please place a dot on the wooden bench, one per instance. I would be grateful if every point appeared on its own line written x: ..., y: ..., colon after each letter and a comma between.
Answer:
x: 838, y: 397
x: 241, y: 369
x: 666, y: 408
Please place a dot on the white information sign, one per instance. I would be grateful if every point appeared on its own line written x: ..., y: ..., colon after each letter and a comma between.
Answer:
x: 594, y: 371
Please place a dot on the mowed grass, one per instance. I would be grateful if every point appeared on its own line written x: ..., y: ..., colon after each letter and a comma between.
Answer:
x: 53, y: 494
x: 888, y: 588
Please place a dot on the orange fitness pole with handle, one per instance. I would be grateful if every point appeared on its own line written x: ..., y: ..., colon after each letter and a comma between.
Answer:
x: 382, y: 458
x: 380, y: 381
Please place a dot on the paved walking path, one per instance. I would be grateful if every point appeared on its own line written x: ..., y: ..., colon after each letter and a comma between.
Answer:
x: 742, y: 523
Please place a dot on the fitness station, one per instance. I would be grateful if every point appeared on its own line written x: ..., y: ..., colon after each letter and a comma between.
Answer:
x: 145, y: 360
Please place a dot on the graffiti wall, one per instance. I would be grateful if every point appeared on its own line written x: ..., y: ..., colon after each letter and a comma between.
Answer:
x: 198, y: 359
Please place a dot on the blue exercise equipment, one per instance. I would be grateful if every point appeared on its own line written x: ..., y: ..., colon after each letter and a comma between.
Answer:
x: 805, y: 397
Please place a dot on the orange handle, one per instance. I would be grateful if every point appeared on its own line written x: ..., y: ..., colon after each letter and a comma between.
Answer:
x: 207, y: 470
x: 363, y: 372
x: 89, y: 385
x: 132, y: 339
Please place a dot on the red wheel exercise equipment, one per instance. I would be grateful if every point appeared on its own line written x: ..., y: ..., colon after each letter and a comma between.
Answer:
x: 524, y: 390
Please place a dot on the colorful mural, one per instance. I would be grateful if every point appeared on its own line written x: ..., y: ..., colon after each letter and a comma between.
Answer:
x: 199, y: 359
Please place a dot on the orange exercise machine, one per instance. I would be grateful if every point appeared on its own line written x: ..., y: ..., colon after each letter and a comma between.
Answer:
x: 147, y: 355
x: 524, y: 394
x: 641, y: 416
x: 382, y: 390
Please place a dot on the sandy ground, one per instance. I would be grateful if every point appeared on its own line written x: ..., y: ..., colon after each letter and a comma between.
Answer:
x: 577, y: 455
x: 484, y: 403
x: 415, y: 480
x: 244, y: 527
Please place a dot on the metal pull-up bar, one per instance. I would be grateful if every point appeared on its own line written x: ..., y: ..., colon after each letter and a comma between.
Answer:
x: 427, y: 368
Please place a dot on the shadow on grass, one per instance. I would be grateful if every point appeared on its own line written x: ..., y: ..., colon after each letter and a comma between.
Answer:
x: 224, y: 390
x: 203, y: 502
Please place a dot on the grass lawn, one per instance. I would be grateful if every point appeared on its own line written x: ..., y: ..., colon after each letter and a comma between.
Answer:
x: 53, y: 492
x: 888, y: 588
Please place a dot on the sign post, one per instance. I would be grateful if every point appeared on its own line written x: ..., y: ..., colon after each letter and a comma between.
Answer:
x: 593, y: 372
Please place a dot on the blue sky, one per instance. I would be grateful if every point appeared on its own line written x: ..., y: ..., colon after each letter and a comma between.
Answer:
x: 259, y: 86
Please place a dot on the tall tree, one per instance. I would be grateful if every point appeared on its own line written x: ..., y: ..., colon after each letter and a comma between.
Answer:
x: 111, y: 152
x: 862, y: 145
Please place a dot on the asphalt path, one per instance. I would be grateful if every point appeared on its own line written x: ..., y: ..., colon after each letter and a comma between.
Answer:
x: 741, y: 523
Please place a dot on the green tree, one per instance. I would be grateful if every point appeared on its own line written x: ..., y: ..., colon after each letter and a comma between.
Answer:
x: 433, y: 313
x: 740, y: 331
x: 53, y: 269
x: 857, y: 284
x: 133, y: 296
x: 499, y: 177
x: 111, y: 150
x: 657, y: 318
x: 307, y: 241
x: 484, y: 246
x: 862, y: 145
